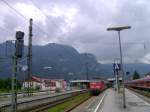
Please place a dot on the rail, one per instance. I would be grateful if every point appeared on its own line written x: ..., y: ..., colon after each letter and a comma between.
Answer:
x: 32, y: 104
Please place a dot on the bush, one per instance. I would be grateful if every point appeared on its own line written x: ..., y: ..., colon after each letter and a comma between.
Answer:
x: 58, y: 90
x: 5, y: 84
x: 37, y: 88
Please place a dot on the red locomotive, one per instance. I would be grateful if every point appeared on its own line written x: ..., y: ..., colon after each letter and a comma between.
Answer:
x: 97, y: 86
x: 143, y: 83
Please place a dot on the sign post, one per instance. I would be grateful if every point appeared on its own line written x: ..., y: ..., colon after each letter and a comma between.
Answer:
x: 116, y: 68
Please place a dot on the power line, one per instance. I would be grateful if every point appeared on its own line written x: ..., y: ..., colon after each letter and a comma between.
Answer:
x: 17, y: 12
x: 11, y: 7
x: 42, y: 12
x: 5, y: 29
x: 52, y: 21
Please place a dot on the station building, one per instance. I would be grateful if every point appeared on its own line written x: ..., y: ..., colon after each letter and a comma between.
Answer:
x: 45, y: 84
x: 112, y: 81
x: 79, y: 84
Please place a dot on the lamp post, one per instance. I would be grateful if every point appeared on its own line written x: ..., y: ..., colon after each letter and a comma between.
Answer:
x: 118, y: 29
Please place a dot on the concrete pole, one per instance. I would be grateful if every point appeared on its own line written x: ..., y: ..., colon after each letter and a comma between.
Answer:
x: 29, y: 59
x: 116, y: 86
x: 117, y: 75
x: 87, y: 71
x: 121, y: 68
x: 87, y: 67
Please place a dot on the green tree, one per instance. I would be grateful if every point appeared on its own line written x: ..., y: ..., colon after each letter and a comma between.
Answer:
x: 5, y: 84
x: 148, y: 74
x: 136, y: 75
x: 8, y: 84
x: 1, y: 83
x: 37, y: 88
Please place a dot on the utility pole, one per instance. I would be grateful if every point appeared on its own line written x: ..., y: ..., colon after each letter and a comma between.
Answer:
x: 29, y: 59
x: 87, y: 71
x: 87, y: 67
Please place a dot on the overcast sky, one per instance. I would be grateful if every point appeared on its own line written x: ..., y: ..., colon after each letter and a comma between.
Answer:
x: 82, y: 24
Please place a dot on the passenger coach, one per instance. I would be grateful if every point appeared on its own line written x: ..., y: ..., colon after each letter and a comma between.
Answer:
x: 143, y: 83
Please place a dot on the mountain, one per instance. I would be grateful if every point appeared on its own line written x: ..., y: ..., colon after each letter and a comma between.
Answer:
x: 62, y: 61
x: 141, y: 68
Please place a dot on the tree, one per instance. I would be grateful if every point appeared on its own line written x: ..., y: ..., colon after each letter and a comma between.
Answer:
x: 136, y: 75
x: 5, y: 84
x: 148, y: 74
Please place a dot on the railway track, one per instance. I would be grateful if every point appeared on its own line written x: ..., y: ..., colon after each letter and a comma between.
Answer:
x: 140, y: 91
x: 45, y: 107
x: 42, y: 104
x: 141, y: 94
x: 91, y: 105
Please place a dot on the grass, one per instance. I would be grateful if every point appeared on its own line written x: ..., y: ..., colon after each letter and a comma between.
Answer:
x: 4, y: 90
x: 9, y: 90
x: 70, y: 103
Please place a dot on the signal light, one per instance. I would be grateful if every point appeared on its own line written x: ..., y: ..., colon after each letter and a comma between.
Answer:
x: 19, y: 44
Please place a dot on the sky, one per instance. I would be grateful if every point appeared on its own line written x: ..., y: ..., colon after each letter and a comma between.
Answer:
x: 82, y: 24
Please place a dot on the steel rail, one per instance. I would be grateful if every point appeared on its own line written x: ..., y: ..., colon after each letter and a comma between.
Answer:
x: 25, y: 106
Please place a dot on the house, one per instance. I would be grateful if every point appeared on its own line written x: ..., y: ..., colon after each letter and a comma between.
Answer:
x: 45, y: 84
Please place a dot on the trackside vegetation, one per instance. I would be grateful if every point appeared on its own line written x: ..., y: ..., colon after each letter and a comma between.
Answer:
x: 5, y: 85
x: 70, y: 103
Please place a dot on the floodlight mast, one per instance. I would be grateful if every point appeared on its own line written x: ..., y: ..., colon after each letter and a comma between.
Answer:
x: 118, y: 29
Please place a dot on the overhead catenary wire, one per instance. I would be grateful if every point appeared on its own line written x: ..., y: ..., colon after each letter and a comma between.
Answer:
x: 43, y: 12
x: 20, y: 14
x: 48, y: 17
x: 11, y: 7
x: 5, y: 29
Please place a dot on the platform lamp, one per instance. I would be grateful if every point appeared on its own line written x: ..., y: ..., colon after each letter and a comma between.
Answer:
x: 118, y: 29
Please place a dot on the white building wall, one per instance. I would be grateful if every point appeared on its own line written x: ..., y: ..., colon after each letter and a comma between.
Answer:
x: 59, y: 84
x: 34, y: 84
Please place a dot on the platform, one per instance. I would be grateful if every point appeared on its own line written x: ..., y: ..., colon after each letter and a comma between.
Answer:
x: 113, y: 102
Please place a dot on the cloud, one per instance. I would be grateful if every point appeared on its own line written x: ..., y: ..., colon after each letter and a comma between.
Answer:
x: 82, y: 24
x: 146, y: 59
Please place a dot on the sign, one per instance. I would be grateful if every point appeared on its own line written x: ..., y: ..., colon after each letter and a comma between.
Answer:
x: 116, y: 66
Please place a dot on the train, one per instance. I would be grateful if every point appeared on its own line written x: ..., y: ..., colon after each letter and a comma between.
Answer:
x: 141, y: 84
x: 96, y: 87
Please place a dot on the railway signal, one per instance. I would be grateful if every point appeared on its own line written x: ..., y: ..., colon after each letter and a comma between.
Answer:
x: 19, y: 46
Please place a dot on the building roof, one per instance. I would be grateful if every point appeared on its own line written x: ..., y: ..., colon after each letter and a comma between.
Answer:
x: 113, y: 79
x: 147, y: 78
x: 73, y: 81
x: 80, y: 81
x: 36, y: 79
x: 40, y: 80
